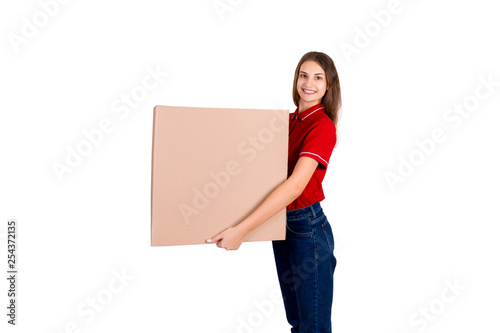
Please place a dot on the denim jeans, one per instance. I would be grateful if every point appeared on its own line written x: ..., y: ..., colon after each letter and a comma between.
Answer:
x: 305, y: 264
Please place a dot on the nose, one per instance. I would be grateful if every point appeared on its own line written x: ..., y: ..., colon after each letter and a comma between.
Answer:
x: 310, y: 82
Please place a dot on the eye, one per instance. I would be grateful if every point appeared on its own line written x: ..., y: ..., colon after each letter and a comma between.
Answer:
x: 319, y: 77
x: 302, y: 75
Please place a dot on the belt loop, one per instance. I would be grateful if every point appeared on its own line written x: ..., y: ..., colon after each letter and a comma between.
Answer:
x: 313, y: 211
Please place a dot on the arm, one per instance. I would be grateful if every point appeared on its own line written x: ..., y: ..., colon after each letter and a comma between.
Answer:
x: 282, y: 196
x: 232, y: 237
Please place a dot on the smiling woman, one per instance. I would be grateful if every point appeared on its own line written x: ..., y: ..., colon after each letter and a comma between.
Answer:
x: 304, y: 260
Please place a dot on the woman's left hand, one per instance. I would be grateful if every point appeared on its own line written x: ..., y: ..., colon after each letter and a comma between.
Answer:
x: 229, y: 239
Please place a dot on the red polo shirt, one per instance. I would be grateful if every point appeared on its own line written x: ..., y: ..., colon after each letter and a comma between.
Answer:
x: 313, y: 134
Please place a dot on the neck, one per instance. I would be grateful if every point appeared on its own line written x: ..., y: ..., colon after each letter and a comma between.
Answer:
x: 306, y: 105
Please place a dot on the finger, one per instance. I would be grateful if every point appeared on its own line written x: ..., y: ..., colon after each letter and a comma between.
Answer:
x: 214, y: 239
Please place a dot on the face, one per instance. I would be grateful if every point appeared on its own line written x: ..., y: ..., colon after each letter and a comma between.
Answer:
x: 311, y: 83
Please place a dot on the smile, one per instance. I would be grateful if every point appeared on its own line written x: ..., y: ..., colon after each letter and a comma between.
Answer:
x: 308, y: 92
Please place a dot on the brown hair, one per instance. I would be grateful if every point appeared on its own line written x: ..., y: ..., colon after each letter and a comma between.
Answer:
x: 332, y: 100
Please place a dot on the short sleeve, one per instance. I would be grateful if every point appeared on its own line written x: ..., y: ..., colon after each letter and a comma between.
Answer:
x: 319, y: 142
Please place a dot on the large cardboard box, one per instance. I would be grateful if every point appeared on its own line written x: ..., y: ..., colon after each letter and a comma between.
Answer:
x: 211, y: 167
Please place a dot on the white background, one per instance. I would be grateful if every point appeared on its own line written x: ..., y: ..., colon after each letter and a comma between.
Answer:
x: 395, y: 249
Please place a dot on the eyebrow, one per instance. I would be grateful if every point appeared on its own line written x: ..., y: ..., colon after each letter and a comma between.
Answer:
x: 314, y: 74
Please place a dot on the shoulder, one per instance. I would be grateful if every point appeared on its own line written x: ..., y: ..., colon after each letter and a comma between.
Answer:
x: 326, y: 120
x: 323, y: 123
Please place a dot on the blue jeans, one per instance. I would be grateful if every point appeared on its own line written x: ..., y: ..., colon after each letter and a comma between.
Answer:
x: 305, y: 264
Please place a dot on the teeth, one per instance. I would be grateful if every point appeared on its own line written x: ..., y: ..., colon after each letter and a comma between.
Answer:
x: 309, y: 91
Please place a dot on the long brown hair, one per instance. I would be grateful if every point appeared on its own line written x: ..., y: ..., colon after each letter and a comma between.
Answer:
x: 332, y: 100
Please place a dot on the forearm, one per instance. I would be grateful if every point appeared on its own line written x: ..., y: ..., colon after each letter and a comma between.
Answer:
x: 276, y: 201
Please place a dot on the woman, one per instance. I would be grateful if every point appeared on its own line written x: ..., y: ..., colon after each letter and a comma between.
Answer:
x: 304, y: 260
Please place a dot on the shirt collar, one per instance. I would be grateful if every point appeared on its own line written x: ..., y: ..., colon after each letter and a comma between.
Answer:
x: 309, y: 113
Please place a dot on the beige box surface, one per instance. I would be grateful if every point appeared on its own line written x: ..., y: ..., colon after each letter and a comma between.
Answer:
x: 211, y: 167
